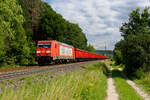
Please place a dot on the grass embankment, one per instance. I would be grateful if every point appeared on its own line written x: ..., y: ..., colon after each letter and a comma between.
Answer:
x: 9, y: 67
x: 125, y: 91
x: 143, y: 81
x: 86, y: 84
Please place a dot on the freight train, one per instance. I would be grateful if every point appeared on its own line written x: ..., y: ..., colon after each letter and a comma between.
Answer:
x: 52, y: 51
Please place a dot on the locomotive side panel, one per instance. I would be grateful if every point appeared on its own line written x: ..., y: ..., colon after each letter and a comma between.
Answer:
x: 65, y: 51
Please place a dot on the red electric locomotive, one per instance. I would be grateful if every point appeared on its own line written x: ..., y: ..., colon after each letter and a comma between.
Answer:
x: 54, y: 51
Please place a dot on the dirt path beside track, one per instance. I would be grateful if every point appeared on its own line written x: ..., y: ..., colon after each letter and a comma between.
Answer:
x: 111, y: 91
x: 144, y: 95
x: 138, y: 90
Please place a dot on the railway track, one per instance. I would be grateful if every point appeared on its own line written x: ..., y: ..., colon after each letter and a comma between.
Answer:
x: 21, y: 73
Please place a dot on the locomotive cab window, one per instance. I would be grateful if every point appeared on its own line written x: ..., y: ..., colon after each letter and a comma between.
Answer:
x: 44, y: 45
x: 55, y: 45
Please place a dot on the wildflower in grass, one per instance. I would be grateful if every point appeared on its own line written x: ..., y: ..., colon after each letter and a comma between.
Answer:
x: 90, y: 84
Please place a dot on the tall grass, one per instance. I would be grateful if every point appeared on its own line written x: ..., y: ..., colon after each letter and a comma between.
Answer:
x: 87, y: 84
x: 125, y: 91
x: 2, y: 67
x: 144, y: 81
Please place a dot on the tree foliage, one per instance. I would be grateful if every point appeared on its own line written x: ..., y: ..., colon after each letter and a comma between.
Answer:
x: 14, y: 47
x: 91, y: 48
x: 134, y: 50
x: 139, y: 23
x: 24, y: 22
x: 31, y: 12
x: 53, y: 26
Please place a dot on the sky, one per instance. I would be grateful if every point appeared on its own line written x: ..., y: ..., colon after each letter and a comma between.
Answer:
x: 100, y: 20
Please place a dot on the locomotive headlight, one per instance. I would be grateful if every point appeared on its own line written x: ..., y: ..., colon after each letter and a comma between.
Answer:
x: 38, y: 51
x: 48, y: 51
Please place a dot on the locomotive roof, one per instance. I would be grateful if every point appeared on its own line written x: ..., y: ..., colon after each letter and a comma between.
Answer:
x: 42, y: 41
x: 65, y: 44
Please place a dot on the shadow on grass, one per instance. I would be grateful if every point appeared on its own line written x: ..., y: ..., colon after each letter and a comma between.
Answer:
x: 116, y: 73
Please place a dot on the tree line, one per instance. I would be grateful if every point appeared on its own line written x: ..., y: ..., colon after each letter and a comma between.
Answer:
x: 133, y: 50
x: 24, y: 22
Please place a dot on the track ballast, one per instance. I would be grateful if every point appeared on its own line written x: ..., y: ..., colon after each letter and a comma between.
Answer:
x: 21, y: 73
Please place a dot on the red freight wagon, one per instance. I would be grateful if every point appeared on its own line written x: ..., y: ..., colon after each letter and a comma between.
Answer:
x: 81, y: 55
x: 102, y: 57
x: 48, y: 51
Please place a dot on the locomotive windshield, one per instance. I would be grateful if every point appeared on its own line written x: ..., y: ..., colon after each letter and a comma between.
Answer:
x: 44, y: 45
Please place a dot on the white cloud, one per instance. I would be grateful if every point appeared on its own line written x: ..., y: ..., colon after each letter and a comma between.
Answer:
x: 99, y: 19
x: 144, y: 4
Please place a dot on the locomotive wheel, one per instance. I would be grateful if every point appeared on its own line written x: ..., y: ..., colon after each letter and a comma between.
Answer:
x: 40, y: 63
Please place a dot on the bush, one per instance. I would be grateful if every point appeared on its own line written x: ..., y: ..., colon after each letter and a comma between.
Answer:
x: 134, y: 50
